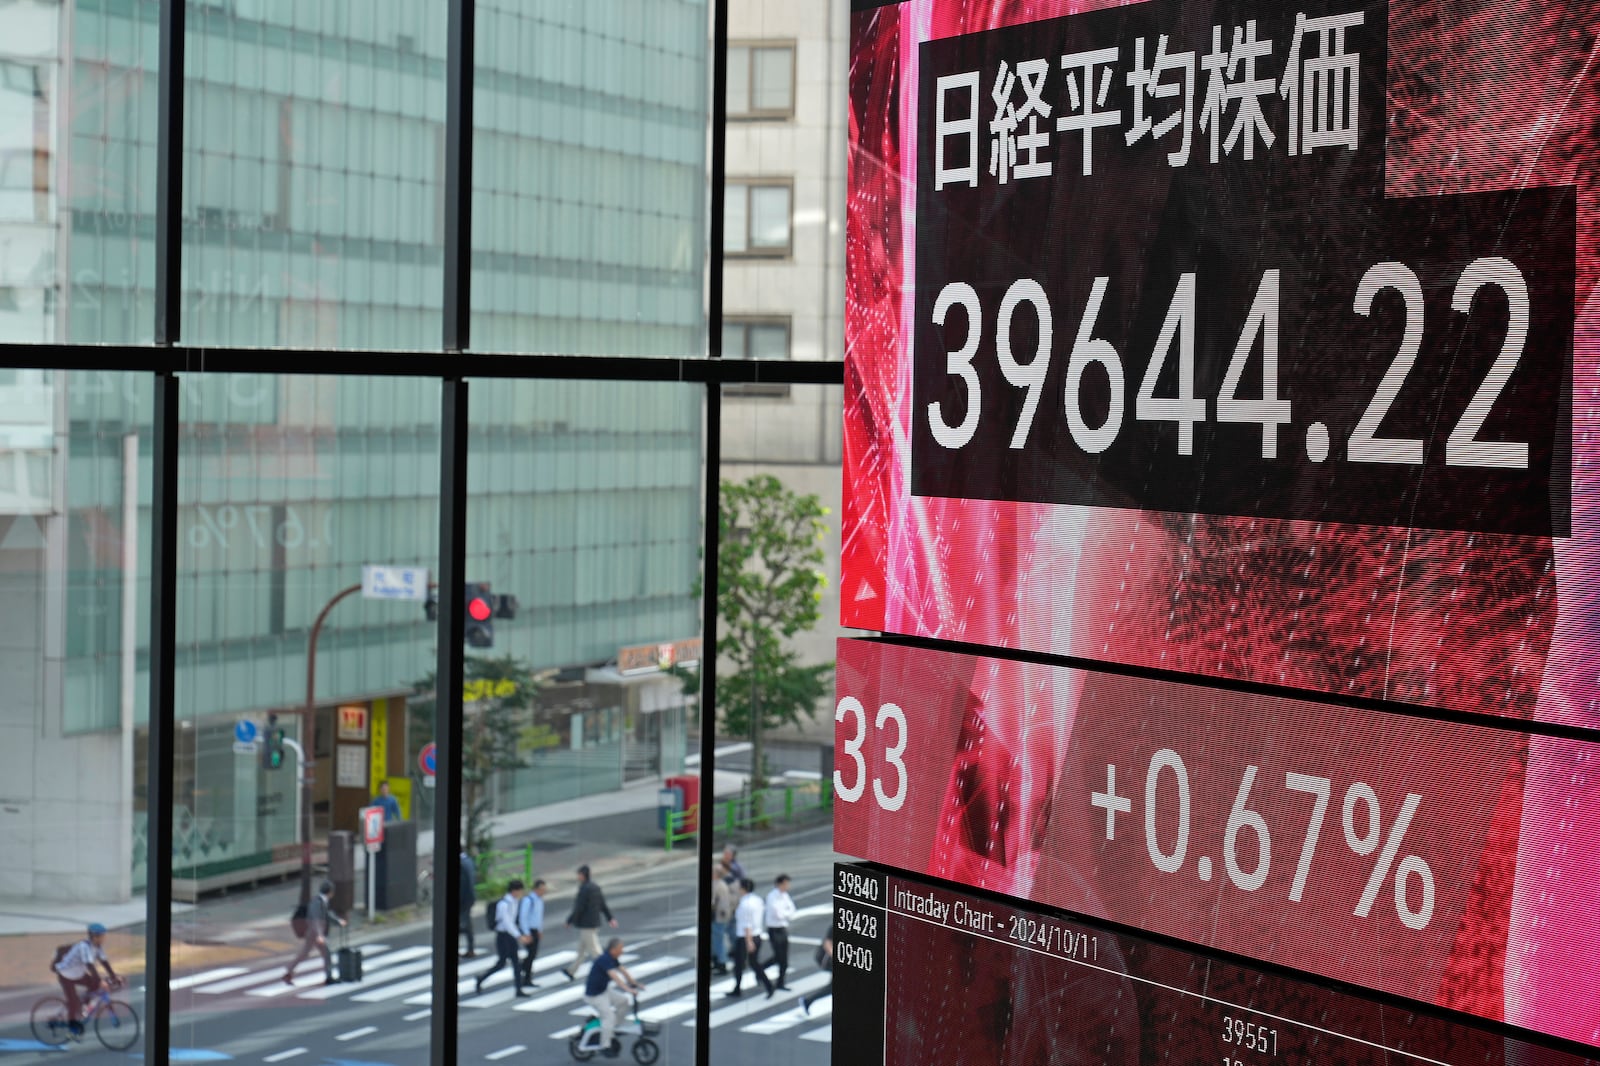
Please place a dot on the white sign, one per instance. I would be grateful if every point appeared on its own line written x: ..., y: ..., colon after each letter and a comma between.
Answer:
x: 372, y: 827
x: 350, y: 766
x: 395, y: 583
x: 246, y: 747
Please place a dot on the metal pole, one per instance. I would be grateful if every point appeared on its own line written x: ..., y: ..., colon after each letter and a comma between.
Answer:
x: 713, y: 512
x: 447, y: 703
x: 169, y: 173
x: 308, y: 716
x: 458, y: 177
x: 162, y: 731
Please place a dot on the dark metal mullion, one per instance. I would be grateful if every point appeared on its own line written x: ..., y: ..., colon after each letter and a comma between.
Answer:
x: 162, y: 726
x: 708, y: 717
x: 458, y: 177
x: 447, y: 704
x: 713, y: 511
x: 169, y: 174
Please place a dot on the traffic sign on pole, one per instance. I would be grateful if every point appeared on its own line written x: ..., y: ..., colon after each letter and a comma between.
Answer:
x: 428, y: 757
x: 372, y: 827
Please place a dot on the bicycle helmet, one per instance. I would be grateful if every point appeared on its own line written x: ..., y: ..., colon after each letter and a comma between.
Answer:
x: 96, y: 929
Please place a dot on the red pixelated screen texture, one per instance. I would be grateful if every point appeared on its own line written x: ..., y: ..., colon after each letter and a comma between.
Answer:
x: 1481, y: 96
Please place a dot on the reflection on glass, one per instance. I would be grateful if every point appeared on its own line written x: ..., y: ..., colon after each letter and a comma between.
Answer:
x: 74, y: 596
x: 589, y: 177
x: 294, y: 654
x: 736, y: 218
x: 584, y: 540
x: 313, y: 168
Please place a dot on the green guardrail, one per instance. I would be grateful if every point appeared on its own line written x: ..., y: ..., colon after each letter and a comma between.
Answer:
x: 495, y: 868
x: 780, y: 803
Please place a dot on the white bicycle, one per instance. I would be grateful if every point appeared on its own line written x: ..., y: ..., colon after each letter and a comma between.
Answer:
x: 585, y: 1043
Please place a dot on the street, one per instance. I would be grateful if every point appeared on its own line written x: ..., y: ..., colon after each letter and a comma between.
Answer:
x: 246, y: 1013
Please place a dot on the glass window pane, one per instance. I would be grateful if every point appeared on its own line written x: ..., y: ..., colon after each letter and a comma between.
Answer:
x: 738, y: 80
x: 772, y: 79
x: 586, y: 508
x: 349, y: 182
x: 769, y: 341
x: 589, y: 170
x: 733, y: 340
x: 289, y: 486
x: 774, y: 718
x: 735, y: 218
x: 769, y: 216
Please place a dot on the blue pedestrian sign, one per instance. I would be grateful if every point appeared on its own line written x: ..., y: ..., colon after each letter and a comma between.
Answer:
x: 428, y: 759
x: 244, y: 731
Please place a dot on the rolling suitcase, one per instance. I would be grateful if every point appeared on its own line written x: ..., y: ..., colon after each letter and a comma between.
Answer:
x: 349, y: 960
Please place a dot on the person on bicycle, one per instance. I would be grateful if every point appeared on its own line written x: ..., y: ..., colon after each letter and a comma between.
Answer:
x: 610, y: 987
x: 76, y: 970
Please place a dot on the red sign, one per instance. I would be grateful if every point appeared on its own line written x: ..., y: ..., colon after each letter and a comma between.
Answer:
x: 372, y: 827
x: 1388, y: 851
x: 427, y: 758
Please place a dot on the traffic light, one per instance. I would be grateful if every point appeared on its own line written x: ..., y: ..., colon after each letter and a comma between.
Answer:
x: 478, y: 625
x: 272, y: 744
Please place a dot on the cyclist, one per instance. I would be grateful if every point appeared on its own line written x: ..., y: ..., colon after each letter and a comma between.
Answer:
x: 608, y: 990
x: 75, y: 969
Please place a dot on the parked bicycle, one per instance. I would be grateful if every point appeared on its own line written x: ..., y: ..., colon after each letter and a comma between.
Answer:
x: 115, y: 1023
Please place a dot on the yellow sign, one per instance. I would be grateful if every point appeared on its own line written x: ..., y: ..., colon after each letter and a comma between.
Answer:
x: 401, y: 787
x: 378, y: 747
x: 473, y: 691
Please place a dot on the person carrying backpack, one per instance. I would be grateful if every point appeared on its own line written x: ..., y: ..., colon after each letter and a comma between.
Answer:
x: 74, y: 967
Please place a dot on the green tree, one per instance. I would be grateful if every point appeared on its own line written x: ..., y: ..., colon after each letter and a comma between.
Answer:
x: 498, y: 703
x: 769, y: 589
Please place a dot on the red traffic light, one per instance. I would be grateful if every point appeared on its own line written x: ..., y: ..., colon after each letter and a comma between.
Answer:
x: 479, y: 609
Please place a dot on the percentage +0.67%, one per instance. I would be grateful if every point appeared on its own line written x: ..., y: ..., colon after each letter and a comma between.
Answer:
x: 1167, y: 782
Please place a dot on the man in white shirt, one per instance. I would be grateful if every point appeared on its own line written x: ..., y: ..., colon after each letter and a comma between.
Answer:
x: 508, y: 936
x: 747, y: 929
x: 780, y: 913
x: 75, y: 968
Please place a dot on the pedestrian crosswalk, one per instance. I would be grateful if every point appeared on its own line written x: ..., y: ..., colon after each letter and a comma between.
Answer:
x: 400, y: 977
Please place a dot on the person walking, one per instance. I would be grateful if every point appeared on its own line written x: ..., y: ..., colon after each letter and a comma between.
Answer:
x: 608, y: 988
x: 469, y: 881
x: 508, y: 937
x: 780, y: 912
x: 747, y: 922
x: 722, y: 901
x: 587, y: 910
x: 530, y: 916
x: 319, y: 913
x: 824, y: 959
x: 730, y: 858
x: 385, y: 799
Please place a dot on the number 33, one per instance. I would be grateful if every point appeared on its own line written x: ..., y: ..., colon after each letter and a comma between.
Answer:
x: 889, y: 712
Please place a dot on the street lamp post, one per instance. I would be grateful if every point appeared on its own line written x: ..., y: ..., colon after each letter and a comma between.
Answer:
x: 309, y: 715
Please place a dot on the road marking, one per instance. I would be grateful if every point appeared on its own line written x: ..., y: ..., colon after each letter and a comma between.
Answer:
x: 567, y: 1033
x: 656, y: 988
x: 417, y: 1015
x: 788, y: 1019
x: 822, y: 1036
x: 816, y: 910
x: 567, y: 995
x: 758, y: 1001
x: 406, y: 967
x: 464, y: 988
x: 273, y: 973
x: 280, y: 1056
x: 506, y: 1052
x: 356, y: 1034
x: 209, y: 975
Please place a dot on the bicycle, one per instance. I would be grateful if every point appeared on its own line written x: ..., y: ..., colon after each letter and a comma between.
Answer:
x: 116, y: 1024
x: 585, y: 1043
x: 425, y: 886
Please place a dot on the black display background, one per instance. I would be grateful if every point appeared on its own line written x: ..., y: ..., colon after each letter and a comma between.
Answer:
x: 1321, y: 219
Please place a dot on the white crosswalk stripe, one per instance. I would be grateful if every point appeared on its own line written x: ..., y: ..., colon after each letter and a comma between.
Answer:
x: 575, y: 993
x: 402, y: 975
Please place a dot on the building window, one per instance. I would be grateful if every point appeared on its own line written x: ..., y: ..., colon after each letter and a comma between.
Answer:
x: 760, y: 81
x: 756, y: 218
x: 755, y: 338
